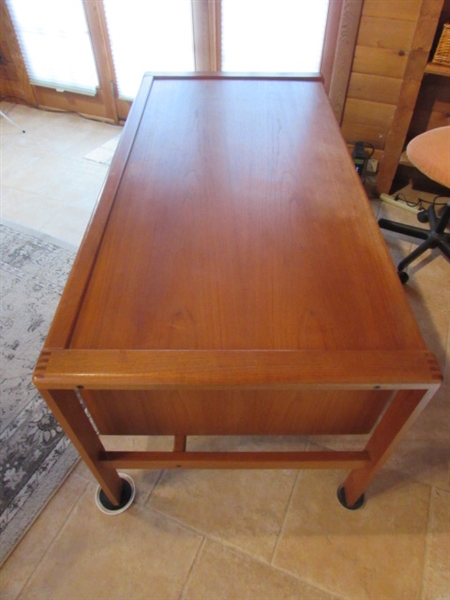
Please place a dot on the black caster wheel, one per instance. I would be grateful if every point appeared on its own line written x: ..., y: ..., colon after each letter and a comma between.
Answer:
x: 403, y: 276
x: 422, y: 216
x: 343, y: 501
x: 126, y: 500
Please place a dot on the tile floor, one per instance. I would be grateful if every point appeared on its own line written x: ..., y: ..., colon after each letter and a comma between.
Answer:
x: 204, y: 535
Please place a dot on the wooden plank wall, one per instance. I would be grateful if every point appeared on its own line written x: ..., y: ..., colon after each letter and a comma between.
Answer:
x: 385, y: 37
x: 392, y: 50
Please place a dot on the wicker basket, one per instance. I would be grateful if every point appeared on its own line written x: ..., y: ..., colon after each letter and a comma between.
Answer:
x: 442, y: 54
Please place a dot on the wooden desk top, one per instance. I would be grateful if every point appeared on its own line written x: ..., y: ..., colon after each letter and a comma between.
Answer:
x: 233, y: 218
x: 234, y: 281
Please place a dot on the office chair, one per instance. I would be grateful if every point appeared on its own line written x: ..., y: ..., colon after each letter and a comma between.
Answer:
x: 430, y: 154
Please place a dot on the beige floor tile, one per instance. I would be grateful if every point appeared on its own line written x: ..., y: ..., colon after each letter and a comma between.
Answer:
x: 423, y: 460
x: 138, y: 554
x: 27, y: 208
x: 63, y: 133
x: 372, y: 553
x: 242, y: 507
x: 17, y: 153
x: 32, y: 119
x: 28, y: 554
x: 94, y: 136
x: 222, y: 574
x: 56, y: 176
x: 437, y: 563
x: 68, y: 223
x: 46, y: 182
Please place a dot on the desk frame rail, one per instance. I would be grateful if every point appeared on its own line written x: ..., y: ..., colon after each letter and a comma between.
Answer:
x: 412, y: 376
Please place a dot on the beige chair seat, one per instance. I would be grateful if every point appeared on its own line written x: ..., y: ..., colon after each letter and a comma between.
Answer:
x: 430, y: 153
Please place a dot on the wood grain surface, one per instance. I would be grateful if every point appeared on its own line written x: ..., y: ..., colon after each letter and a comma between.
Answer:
x: 239, y: 223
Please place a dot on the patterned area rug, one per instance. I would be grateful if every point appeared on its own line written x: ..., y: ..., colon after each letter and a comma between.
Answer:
x: 35, y: 455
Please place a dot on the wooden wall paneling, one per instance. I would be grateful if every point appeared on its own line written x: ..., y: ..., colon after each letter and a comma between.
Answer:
x: 405, y: 10
x: 343, y: 55
x: 374, y: 114
x: 14, y: 81
x: 353, y: 132
x: 417, y: 61
x: 385, y: 33
x: 375, y: 88
x: 386, y: 62
x: 392, y: 48
x: 433, y: 8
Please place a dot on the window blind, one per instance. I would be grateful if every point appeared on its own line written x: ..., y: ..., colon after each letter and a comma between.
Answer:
x: 154, y: 35
x: 55, y: 43
x: 273, y: 36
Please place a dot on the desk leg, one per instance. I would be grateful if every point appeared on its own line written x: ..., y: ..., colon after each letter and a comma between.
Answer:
x: 67, y: 409
x: 400, y: 415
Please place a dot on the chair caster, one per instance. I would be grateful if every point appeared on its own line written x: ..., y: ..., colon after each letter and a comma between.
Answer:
x: 404, y: 277
x: 422, y: 216
x: 126, y: 499
x: 343, y: 501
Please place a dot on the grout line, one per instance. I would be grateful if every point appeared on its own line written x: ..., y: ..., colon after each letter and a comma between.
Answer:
x: 156, y: 485
x: 426, y: 546
x: 176, y: 520
x: 194, y: 562
x: 229, y: 546
x: 242, y: 553
x: 283, y: 524
x: 56, y: 535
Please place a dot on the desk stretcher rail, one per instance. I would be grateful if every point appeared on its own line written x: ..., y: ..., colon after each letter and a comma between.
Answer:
x: 277, y: 369
x: 237, y: 460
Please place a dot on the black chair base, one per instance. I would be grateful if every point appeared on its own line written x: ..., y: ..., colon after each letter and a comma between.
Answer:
x: 435, y: 237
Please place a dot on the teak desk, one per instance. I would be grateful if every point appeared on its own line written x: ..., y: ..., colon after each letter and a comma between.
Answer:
x: 233, y: 281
